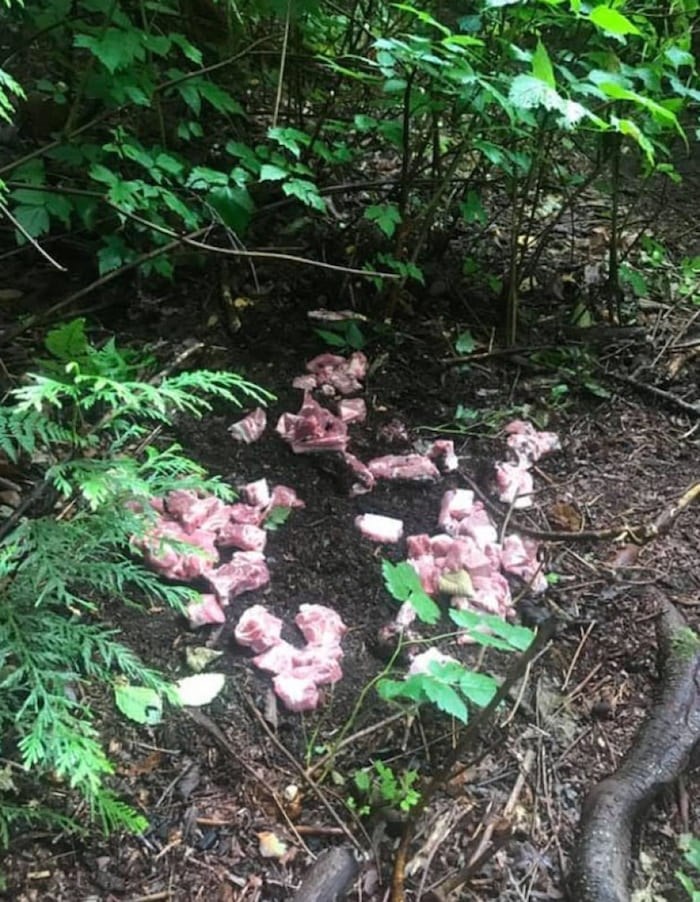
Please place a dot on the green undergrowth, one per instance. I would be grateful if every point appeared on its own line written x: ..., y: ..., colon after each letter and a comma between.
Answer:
x: 82, y: 426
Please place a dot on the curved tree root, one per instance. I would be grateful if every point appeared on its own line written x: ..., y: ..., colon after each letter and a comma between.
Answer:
x: 661, y: 751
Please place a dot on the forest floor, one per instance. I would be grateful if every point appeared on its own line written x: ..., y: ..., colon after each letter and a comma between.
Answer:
x: 211, y: 786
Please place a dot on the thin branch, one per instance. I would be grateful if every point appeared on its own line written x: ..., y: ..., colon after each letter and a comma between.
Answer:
x: 18, y: 225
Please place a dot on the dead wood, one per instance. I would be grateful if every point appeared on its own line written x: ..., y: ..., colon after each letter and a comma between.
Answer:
x: 330, y: 877
x: 661, y: 751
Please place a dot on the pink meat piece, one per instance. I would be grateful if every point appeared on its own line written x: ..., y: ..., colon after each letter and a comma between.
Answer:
x: 320, y: 625
x: 491, y: 593
x: 418, y: 545
x: 283, y: 496
x: 440, y: 545
x: 423, y: 662
x: 515, y: 485
x: 194, y: 512
x: 177, y: 562
x: 443, y: 452
x: 528, y: 443
x: 365, y: 480
x: 245, y: 572
x: 478, y: 525
x: 428, y: 572
x: 296, y: 693
x: 246, y: 513
x: 317, y: 664
x: 465, y: 554
x: 456, y: 505
x: 406, y: 615
x: 204, y: 610
x: 250, y: 428
x: 519, y: 556
x: 244, y: 536
x: 278, y: 658
x: 345, y: 376
x: 377, y: 528
x: 352, y: 410
x: 405, y: 467
x: 325, y: 362
x: 257, y: 493
x: 306, y: 383
x: 258, y: 629
x: 313, y: 429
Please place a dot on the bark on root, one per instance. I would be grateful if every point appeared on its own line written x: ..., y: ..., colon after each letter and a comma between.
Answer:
x: 330, y: 878
x: 659, y: 754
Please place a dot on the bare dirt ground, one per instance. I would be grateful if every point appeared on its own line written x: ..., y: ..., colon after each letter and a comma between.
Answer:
x: 210, y: 786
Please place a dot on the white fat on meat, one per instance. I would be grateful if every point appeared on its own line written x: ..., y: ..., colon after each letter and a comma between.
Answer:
x: 378, y: 528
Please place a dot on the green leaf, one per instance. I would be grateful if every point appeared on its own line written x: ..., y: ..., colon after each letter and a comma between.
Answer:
x: 306, y: 192
x: 528, y: 92
x: 542, y: 66
x: 612, y: 21
x: 68, y: 342
x: 404, y: 584
x: 445, y: 698
x: 235, y: 207
x: 491, y: 630
x: 220, y: 99
x: 290, y: 138
x: 465, y: 343
x: 271, y: 173
x: 116, y: 48
x: 386, y: 216
x: 139, y: 703
x: 479, y: 688
x: 34, y: 220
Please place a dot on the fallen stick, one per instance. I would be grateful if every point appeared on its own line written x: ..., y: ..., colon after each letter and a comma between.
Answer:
x: 660, y: 752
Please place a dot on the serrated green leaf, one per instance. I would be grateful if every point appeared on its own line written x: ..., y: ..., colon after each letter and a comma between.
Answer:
x: 479, y: 688
x: 386, y: 216
x: 271, y: 173
x: 68, y: 342
x: 34, y: 220
x: 306, y: 192
x: 139, y: 703
x: 445, y: 698
x: 465, y: 342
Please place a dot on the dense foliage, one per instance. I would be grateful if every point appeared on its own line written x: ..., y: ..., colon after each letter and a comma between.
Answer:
x: 144, y: 122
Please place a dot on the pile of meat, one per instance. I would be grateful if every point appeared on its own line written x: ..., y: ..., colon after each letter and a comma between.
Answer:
x: 299, y: 672
x: 316, y: 428
x: 526, y: 446
x: 466, y: 561
x: 192, y: 534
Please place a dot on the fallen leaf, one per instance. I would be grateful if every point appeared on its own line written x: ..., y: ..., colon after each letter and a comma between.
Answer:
x: 198, y: 658
x: 200, y: 689
x: 270, y: 845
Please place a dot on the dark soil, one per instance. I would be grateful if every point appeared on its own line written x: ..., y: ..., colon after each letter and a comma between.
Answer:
x: 212, y: 782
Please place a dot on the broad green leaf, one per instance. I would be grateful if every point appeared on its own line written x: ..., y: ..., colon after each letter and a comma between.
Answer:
x: 203, y: 178
x: 218, y: 98
x: 116, y: 48
x: 612, y: 21
x: 386, y: 216
x: 139, y: 703
x: 271, y: 173
x: 479, y: 688
x: 68, y: 342
x: 235, y: 207
x: 445, y: 698
x: 34, y: 220
x: 401, y: 580
x: 290, y: 138
x: 542, y: 65
x: 306, y: 192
